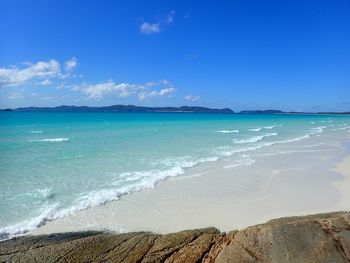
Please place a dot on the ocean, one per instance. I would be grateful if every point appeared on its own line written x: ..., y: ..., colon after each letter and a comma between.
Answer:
x: 54, y: 164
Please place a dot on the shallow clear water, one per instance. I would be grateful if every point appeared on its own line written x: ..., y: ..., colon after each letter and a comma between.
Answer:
x: 52, y: 164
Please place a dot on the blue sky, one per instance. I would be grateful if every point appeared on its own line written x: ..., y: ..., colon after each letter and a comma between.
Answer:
x: 289, y: 55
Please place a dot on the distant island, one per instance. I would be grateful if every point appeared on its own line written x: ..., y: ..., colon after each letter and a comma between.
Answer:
x: 122, y: 108
x: 139, y: 109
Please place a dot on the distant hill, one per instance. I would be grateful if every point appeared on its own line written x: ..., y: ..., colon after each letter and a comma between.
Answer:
x: 261, y: 112
x: 133, y: 108
x: 123, y: 108
x: 288, y: 112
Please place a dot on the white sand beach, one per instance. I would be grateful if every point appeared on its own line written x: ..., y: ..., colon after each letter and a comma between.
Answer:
x: 285, y: 180
x: 343, y: 185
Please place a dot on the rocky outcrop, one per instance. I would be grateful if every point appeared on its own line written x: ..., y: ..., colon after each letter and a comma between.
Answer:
x: 315, y: 238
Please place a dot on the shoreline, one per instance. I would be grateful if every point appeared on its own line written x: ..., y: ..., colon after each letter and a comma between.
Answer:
x: 202, y: 199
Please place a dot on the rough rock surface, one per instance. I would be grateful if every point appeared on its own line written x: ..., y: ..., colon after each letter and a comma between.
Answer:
x: 315, y: 238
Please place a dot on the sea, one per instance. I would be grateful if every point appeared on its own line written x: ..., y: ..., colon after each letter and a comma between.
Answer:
x: 55, y: 164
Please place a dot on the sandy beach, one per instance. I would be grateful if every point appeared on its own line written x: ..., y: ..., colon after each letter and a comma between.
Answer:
x: 297, y: 181
x: 343, y: 185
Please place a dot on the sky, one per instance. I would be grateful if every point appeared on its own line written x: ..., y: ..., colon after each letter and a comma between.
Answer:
x: 291, y: 55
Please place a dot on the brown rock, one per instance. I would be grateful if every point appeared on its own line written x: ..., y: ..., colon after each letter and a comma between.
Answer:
x: 344, y: 237
x: 286, y: 240
x: 220, y: 241
x: 315, y: 238
x: 194, y: 251
x: 167, y: 244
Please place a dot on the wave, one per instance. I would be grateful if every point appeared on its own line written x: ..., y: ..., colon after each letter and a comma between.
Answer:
x: 342, y: 128
x: 230, y: 150
x: 272, y: 126
x: 23, y: 227
x: 255, y: 138
x: 265, y: 127
x: 131, y: 182
x: 306, y: 136
x: 255, y: 129
x: 51, y: 140
x: 36, y: 131
x: 228, y: 131
x: 318, y: 129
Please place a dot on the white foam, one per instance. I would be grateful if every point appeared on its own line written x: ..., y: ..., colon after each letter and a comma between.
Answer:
x: 133, y: 181
x: 265, y: 127
x: 318, y: 129
x: 255, y: 129
x: 230, y: 150
x: 186, y: 161
x: 228, y: 131
x: 36, y: 131
x: 272, y: 126
x: 342, y: 128
x: 306, y: 136
x: 249, y: 140
x: 255, y: 138
x: 51, y: 140
x: 25, y: 226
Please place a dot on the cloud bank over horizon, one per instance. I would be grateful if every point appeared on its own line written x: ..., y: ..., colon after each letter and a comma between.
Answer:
x: 56, y: 76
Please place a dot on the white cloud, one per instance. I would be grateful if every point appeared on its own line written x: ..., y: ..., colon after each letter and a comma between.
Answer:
x: 162, y: 88
x: 51, y: 73
x: 45, y: 82
x: 192, y: 98
x: 98, y: 91
x: 40, y: 73
x: 148, y: 29
x: 147, y: 94
x: 17, y: 76
x: 153, y: 28
x: 71, y: 64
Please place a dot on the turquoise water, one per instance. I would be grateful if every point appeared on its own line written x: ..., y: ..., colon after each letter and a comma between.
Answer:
x: 53, y: 164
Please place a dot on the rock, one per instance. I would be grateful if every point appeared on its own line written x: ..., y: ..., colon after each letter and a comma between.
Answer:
x: 166, y: 245
x: 220, y: 241
x: 315, y: 238
x: 344, y: 237
x: 194, y: 251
